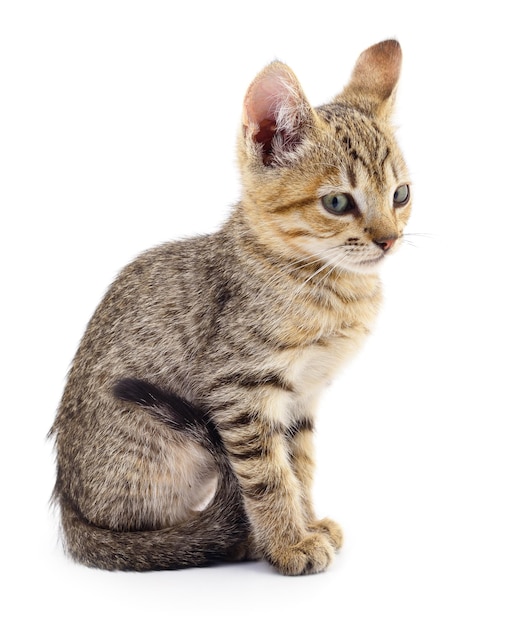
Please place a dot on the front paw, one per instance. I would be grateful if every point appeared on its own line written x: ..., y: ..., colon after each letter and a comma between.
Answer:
x: 329, y: 529
x: 309, y: 556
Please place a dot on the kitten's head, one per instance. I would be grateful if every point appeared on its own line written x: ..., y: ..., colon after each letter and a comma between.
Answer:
x: 327, y: 183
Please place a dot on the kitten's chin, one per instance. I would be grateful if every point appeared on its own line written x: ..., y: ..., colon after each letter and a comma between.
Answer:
x: 363, y: 267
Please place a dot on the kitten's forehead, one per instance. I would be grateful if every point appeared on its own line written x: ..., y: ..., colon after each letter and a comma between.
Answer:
x: 364, y: 150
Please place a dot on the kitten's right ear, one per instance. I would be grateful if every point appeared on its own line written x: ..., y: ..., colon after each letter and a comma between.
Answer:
x: 275, y: 113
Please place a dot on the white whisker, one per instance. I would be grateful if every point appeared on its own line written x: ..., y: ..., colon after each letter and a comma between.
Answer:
x: 406, y: 238
x: 297, y: 264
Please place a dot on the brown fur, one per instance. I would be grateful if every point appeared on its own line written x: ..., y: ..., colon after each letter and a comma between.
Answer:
x: 184, y: 435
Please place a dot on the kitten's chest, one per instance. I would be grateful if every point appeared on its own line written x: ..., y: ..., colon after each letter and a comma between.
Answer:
x: 315, y: 365
x: 327, y: 339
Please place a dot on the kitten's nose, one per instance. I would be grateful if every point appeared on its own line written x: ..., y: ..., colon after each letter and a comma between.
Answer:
x: 385, y: 244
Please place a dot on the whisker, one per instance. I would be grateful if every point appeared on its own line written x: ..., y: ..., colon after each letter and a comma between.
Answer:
x: 305, y: 285
x: 287, y: 267
x: 320, y: 269
x: 330, y: 266
x: 405, y: 238
x: 334, y: 265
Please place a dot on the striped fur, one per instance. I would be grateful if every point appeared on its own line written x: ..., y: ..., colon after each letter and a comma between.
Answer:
x: 184, y: 435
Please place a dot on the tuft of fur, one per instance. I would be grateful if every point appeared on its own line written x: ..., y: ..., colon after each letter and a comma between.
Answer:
x: 184, y: 435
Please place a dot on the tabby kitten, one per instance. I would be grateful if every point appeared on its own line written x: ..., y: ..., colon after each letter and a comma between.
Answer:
x: 184, y: 436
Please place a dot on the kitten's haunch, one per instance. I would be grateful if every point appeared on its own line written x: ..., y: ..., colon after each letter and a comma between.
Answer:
x: 184, y: 435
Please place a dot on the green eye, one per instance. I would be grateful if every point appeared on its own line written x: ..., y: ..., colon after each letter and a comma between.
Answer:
x: 337, y: 203
x: 401, y: 195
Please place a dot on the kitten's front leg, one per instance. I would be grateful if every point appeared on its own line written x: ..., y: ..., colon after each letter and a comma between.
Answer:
x: 259, y: 454
x: 302, y: 454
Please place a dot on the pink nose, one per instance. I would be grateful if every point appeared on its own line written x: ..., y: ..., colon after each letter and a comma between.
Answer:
x: 386, y: 244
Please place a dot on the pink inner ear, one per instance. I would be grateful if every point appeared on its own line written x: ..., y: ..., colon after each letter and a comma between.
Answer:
x: 272, y: 108
x: 263, y: 100
x: 261, y: 107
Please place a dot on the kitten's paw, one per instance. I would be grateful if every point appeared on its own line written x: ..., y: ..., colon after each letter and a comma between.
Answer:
x: 310, y: 556
x: 330, y: 529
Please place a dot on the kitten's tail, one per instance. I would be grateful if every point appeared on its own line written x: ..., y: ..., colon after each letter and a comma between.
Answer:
x: 173, y: 411
x: 219, y: 533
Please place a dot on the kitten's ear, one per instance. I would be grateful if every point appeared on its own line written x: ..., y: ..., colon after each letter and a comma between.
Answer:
x: 275, y: 113
x: 373, y: 83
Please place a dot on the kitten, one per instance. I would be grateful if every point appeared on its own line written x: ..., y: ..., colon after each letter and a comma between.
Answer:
x: 184, y: 435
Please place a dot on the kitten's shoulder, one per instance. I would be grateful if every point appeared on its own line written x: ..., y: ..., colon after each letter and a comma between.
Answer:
x: 173, y: 263
x: 171, y: 255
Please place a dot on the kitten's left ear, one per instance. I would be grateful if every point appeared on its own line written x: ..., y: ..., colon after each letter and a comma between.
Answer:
x: 275, y: 113
x: 372, y: 86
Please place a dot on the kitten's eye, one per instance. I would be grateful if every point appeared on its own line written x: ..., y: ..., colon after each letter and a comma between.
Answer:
x: 337, y: 203
x: 401, y: 195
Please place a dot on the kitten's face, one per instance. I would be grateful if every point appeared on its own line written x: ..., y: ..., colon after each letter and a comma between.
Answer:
x: 362, y: 191
x: 344, y: 201
x: 327, y: 184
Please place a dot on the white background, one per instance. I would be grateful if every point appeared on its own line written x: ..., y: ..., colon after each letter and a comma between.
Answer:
x: 117, y: 130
